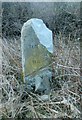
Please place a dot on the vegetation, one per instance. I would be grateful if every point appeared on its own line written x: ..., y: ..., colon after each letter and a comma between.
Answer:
x: 65, y: 96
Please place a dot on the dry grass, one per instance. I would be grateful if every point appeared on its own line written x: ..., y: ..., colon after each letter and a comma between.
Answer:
x: 64, y: 98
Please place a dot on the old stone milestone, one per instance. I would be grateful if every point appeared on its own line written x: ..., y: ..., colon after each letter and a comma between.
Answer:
x: 37, y: 49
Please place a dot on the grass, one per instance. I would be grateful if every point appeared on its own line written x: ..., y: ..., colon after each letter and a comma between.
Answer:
x: 65, y: 96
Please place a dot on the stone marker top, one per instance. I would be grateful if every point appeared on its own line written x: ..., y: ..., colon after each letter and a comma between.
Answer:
x: 43, y: 33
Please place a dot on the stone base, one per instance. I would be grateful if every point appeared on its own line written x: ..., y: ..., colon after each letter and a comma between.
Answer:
x: 40, y: 83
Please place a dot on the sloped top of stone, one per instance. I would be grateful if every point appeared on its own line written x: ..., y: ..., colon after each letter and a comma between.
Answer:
x: 43, y: 33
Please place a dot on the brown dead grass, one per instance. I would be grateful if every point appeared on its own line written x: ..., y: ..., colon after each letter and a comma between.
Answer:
x: 63, y: 102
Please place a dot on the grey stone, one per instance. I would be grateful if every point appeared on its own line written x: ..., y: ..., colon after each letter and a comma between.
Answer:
x: 37, y: 49
x: 44, y: 97
x: 41, y: 82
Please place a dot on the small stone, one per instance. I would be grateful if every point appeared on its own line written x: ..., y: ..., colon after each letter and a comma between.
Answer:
x: 45, y: 97
x: 38, y: 82
x: 42, y: 82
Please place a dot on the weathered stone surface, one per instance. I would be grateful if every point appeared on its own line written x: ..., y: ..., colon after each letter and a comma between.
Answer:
x: 37, y: 49
x: 41, y: 82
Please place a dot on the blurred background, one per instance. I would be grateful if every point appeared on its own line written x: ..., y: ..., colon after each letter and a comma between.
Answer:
x: 61, y: 17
